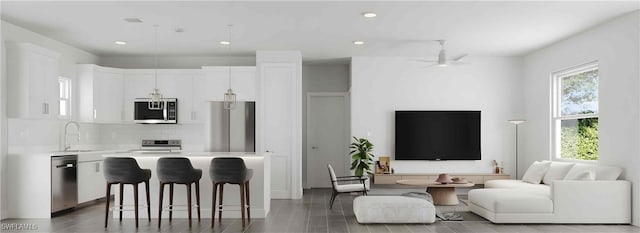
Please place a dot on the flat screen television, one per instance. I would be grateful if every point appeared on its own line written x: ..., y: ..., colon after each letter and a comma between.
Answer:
x: 437, y: 135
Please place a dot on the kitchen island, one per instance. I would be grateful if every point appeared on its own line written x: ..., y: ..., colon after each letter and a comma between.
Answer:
x: 260, y: 186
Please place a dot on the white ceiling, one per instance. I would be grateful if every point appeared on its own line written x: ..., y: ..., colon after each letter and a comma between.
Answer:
x: 321, y: 30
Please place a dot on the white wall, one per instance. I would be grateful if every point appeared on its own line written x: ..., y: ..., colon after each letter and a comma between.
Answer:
x: 175, y: 62
x: 489, y: 84
x: 3, y: 130
x: 616, y: 47
x: 319, y: 78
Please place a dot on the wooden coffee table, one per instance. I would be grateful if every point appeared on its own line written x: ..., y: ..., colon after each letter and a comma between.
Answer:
x: 443, y: 194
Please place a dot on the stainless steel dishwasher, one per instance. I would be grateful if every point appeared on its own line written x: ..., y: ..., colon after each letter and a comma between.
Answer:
x: 64, y: 183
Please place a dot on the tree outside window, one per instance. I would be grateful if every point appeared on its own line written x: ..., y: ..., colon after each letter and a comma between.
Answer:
x: 575, y: 115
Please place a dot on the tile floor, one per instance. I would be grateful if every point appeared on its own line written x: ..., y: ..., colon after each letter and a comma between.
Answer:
x: 310, y: 214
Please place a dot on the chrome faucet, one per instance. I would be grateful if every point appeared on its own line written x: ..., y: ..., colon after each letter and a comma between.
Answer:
x: 67, y: 146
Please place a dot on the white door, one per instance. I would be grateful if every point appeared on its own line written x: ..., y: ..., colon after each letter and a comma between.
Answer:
x: 279, y: 130
x: 327, y: 137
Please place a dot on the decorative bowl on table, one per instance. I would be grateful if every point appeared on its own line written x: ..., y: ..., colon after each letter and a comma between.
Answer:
x: 459, y: 180
x: 444, y: 178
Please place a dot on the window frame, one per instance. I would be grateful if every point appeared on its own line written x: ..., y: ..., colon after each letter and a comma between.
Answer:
x: 68, y: 100
x: 556, y: 109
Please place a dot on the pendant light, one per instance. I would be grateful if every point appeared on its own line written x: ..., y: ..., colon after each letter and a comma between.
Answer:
x: 155, y: 98
x: 229, y: 96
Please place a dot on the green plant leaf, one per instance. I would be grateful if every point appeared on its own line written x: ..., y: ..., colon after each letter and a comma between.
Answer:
x: 361, y: 156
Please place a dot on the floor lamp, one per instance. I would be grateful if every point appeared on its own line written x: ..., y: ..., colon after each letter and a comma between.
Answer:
x: 516, y: 122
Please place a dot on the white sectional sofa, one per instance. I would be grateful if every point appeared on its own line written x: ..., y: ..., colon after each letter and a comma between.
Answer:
x: 567, y: 193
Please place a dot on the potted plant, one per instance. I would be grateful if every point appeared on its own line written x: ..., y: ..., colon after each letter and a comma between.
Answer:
x: 361, y: 156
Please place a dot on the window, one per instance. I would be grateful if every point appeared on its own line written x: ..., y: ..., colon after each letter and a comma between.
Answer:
x: 64, y: 85
x: 575, y: 113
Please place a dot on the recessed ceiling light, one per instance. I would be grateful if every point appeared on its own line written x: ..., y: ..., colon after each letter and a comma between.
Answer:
x: 133, y: 20
x: 121, y: 42
x: 225, y: 42
x: 358, y: 42
x: 369, y: 14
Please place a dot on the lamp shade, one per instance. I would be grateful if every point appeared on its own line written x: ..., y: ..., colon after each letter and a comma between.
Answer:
x: 516, y: 121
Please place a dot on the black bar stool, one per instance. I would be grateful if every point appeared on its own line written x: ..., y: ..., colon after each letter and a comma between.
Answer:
x: 178, y: 171
x: 230, y: 171
x: 125, y: 171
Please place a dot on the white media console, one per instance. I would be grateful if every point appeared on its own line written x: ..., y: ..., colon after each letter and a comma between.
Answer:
x: 476, y: 178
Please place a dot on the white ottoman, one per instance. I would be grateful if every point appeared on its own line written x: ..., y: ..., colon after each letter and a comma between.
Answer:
x: 393, y: 209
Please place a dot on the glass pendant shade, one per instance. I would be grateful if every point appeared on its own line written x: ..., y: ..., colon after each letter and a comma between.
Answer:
x: 229, y: 99
x: 155, y: 100
x: 442, y: 58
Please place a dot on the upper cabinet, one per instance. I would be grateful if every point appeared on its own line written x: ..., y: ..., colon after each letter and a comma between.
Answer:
x: 215, y: 82
x: 172, y: 83
x: 100, y: 94
x: 212, y: 85
x: 107, y: 94
x: 137, y: 84
x: 32, y: 81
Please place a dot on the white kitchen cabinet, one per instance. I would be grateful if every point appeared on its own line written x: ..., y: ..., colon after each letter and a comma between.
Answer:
x: 101, y: 94
x: 243, y: 83
x: 212, y: 85
x: 32, y: 81
x: 91, y: 182
x: 172, y: 83
x: 279, y: 114
x: 179, y: 84
x: 137, y: 84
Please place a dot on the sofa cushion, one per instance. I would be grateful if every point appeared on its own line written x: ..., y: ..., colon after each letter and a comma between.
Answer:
x: 608, y: 173
x: 536, y: 172
x: 511, y: 201
x: 579, y: 169
x: 343, y: 188
x: 601, y: 172
x: 557, y: 171
x: 584, y: 175
x: 517, y: 184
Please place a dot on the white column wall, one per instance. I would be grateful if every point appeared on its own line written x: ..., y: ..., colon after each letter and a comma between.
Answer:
x: 3, y: 132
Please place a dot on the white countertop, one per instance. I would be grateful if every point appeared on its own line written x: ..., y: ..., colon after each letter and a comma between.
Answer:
x: 183, y: 154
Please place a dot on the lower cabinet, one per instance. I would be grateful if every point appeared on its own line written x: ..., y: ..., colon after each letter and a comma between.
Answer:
x: 91, y: 182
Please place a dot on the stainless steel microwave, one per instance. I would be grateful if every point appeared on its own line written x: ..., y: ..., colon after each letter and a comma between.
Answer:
x: 167, y: 113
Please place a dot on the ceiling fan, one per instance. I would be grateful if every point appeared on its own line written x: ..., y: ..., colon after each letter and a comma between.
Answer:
x: 442, y: 57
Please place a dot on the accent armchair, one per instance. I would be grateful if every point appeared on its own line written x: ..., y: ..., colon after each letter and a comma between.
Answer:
x: 350, y: 187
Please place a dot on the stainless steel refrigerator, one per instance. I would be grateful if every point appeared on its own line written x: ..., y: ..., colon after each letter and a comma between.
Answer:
x: 230, y: 130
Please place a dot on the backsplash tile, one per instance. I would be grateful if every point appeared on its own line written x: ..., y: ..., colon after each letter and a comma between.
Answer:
x: 31, y: 136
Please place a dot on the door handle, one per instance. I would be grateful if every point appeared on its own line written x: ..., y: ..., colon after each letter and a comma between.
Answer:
x: 314, y: 147
x: 164, y: 111
x: 65, y: 165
